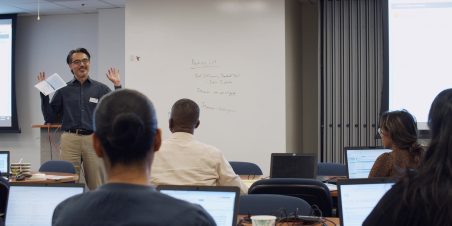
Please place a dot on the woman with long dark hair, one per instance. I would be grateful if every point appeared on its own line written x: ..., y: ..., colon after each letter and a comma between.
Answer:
x: 424, y: 197
x: 398, y: 131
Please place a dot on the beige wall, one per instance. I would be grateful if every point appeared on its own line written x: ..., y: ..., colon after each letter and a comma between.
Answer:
x: 302, y: 76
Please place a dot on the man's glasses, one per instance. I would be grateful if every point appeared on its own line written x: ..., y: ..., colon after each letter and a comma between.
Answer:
x: 79, y: 62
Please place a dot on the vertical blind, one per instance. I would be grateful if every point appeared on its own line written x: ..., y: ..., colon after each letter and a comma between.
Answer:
x: 351, y: 75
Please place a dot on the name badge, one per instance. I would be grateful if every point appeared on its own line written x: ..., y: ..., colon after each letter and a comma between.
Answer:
x: 93, y: 100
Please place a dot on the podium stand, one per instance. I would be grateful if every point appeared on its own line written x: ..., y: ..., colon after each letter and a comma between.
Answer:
x: 50, y: 141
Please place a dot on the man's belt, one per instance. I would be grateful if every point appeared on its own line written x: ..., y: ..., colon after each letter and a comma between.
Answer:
x: 80, y: 131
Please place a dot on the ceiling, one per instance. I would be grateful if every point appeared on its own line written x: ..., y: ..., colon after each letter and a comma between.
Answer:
x: 51, y: 7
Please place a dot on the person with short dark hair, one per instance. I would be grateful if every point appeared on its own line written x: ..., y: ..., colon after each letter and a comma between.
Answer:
x: 126, y: 137
x: 73, y: 107
x: 398, y: 131
x: 424, y: 197
x: 185, y: 161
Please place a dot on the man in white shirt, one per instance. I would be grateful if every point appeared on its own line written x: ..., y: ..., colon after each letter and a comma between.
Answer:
x: 182, y: 160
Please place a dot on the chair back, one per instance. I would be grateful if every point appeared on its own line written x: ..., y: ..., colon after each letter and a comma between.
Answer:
x: 312, y: 191
x: 58, y: 166
x: 273, y: 204
x: 4, y: 190
x: 331, y: 169
x: 245, y: 168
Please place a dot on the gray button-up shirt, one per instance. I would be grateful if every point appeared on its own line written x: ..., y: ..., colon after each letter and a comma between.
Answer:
x: 74, y: 104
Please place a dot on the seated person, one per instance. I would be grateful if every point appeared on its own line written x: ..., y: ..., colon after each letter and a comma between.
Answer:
x: 398, y: 131
x: 185, y: 161
x: 424, y: 197
x: 4, y: 183
x: 126, y: 137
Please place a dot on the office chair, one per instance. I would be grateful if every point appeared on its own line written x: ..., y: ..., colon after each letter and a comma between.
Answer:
x: 312, y: 191
x: 331, y: 169
x: 58, y: 166
x: 246, y: 168
x: 273, y: 204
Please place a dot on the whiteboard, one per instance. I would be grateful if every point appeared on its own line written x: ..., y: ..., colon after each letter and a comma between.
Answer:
x: 228, y: 56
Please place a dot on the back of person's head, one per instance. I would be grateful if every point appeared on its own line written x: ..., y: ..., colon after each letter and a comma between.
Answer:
x: 125, y: 122
x: 427, y: 196
x: 185, y: 114
x: 402, y: 129
x: 439, y: 154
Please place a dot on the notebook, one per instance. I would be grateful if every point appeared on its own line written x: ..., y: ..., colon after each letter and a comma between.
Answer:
x: 221, y: 202
x: 359, y: 160
x: 358, y: 197
x: 32, y: 204
x: 291, y: 165
x: 4, y: 163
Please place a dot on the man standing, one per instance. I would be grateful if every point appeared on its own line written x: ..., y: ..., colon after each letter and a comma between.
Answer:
x: 182, y: 160
x: 75, y: 104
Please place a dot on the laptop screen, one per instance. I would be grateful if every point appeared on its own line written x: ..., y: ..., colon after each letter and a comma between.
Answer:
x: 33, y: 203
x: 360, y: 160
x: 220, y: 202
x: 4, y: 163
x: 358, y: 197
x: 291, y: 165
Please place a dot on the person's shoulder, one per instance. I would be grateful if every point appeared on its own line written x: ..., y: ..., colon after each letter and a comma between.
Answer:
x: 74, y: 199
x: 208, y: 147
x: 385, y: 156
x: 213, y: 149
x: 68, y: 88
x: 68, y: 205
x: 100, y: 87
x: 182, y: 211
x: 97, y: 83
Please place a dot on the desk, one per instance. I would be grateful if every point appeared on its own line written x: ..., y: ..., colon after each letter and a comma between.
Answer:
x: 51, y: 177
x: 333, y: 194
x: 248, y: 180
x: 335, y: 222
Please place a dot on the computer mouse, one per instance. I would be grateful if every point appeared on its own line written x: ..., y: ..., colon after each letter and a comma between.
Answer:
x: 20, y: 177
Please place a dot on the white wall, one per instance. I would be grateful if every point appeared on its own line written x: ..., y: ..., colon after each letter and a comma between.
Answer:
x: 228, y: 56
x: 111, y: 43
x: 43, y: 46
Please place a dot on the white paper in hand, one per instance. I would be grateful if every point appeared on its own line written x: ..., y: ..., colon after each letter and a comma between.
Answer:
x: 51, y: 84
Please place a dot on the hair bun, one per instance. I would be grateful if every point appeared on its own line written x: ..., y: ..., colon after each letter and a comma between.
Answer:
x: 127, y: 129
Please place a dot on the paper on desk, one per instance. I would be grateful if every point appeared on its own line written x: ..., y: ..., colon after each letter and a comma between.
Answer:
x: 55, y: 177
x: 51, y: 84
x: 331, y: 187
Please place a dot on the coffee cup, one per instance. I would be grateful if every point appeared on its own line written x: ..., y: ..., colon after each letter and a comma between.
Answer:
x: 263, y: 220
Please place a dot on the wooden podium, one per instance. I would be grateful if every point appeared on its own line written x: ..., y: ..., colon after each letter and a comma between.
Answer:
x: 50, y: 141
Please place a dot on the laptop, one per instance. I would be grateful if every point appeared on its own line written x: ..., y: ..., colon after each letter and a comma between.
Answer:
x: 4, y: 163
x: 358, y: 197
x: 359, y: 160
x: 33, y: 203
x: 291, y: 165
x: 221, y: 202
